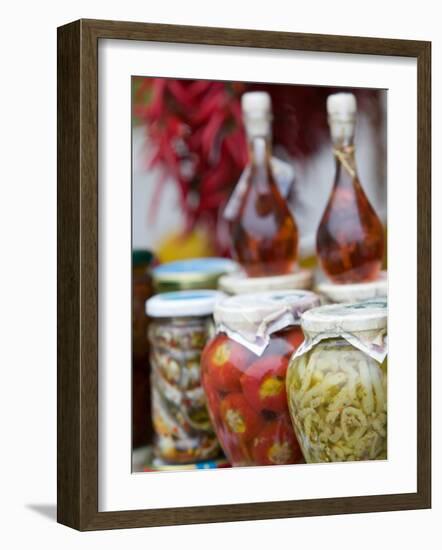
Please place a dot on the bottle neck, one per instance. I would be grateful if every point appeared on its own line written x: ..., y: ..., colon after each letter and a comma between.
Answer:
x: 260, y: 150
x: 258, y: 126
x: 342, y: 135
x: 345, y: 162
x: 342, y: 130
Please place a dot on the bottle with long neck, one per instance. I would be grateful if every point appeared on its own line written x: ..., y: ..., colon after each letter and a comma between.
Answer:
x: 264, y: 233
x: 350, y: 238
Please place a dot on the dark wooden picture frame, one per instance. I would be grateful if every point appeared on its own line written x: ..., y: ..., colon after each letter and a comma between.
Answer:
x: 77, y: 225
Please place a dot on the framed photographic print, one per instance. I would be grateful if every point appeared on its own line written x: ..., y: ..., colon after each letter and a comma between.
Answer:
x: 235, y: 210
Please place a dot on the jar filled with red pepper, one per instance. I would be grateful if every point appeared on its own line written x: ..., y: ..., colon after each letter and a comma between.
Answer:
x: 243, y: 374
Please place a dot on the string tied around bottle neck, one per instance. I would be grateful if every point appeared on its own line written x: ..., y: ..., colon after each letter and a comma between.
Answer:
x: 346, y: 157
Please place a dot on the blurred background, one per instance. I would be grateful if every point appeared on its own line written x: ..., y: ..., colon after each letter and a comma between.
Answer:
x: 189, y: 149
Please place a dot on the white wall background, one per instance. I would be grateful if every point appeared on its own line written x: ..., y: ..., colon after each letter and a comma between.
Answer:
x: 28, y: 276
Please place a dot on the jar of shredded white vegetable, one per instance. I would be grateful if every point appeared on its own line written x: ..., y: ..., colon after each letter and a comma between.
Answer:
x: 337, y: 383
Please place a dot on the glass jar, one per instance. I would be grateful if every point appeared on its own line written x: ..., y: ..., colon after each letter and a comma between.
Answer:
x: 354, y: 292
x: 193, y: 274
x: 181, y: 324
x: 337, y: 383
x: 243, y: 374
x: 240, y: 283
x: 142, y: 261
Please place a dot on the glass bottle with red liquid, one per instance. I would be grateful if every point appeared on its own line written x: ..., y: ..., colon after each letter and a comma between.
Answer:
x: 350, y: 237
x: 264, y: 232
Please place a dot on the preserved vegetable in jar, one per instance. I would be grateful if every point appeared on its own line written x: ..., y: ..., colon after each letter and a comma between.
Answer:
x: 337, y: 383
x: 243, y: 373
x: 350, y: 237
x: 181, y: 324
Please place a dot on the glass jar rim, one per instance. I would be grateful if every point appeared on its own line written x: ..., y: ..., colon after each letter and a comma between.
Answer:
x: 355, y: 292
x: 183, y: 303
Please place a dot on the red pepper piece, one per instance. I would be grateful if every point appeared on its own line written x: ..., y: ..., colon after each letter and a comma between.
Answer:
x: 224, y: 361
x: 276, y: 444
x: 263, y: 384
x: 294, y: 338
x: 212, y: 398
x: 239, y: 417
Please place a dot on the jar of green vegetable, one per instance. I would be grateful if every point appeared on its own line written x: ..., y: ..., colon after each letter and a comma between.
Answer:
x: 337, y: 383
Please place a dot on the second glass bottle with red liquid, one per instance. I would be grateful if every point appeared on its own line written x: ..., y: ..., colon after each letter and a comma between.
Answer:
x: 264, y: 232
x: 350, y: 237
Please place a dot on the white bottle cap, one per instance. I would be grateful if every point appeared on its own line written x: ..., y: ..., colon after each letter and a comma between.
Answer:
x: 256, y: 103
x: 341, y: 105
x: 257, y: 113
x: 341, y: 110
